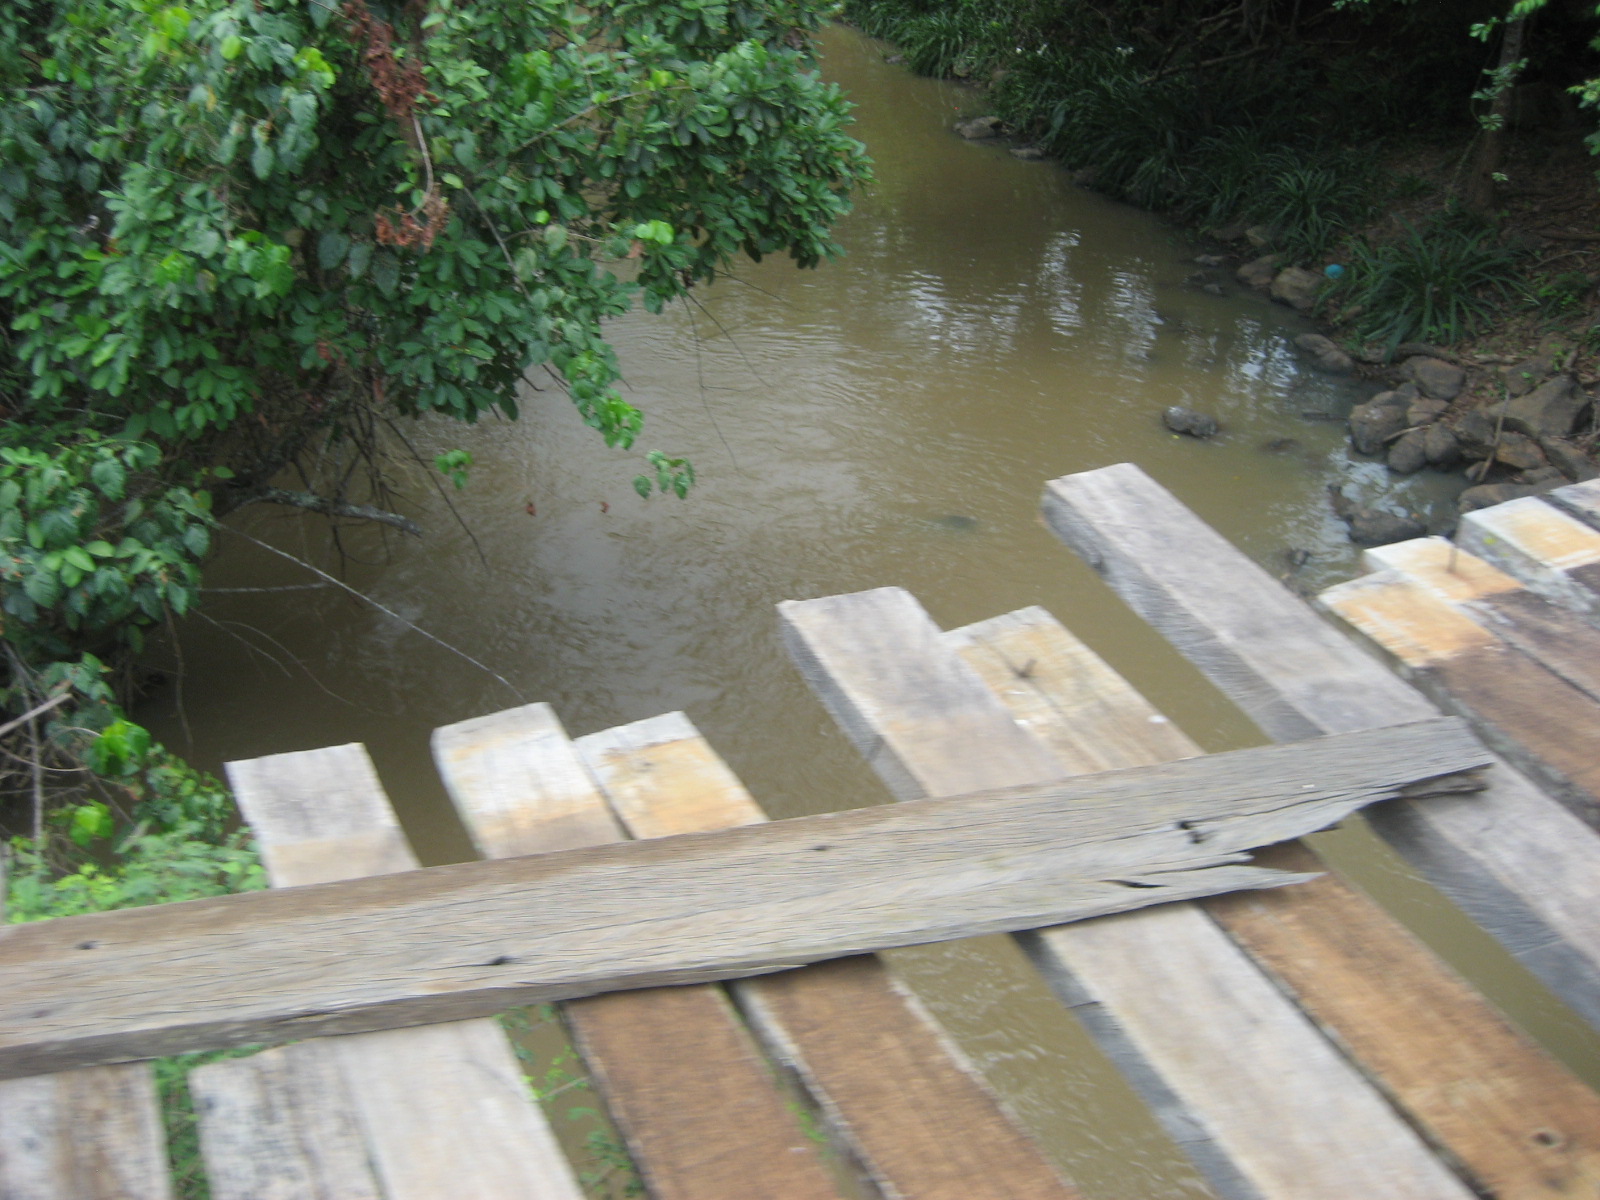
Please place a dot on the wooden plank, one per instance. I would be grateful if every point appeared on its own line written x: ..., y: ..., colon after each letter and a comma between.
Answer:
x: 472, y: 938
x: 1534, y: 718
x: 686, y: 1088
x: 911, y: 1108
x: 1519, y: 1122
x: 1518, y: 863
x: 1582, y: 500
x: 403, y: 1114
x: 1553, y: 636
x: 91, y: 1134
x: 1553, y: 553
x: 1173, y: 1000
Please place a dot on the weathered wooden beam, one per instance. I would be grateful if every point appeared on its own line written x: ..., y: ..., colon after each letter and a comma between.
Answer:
x: 1517, y: 862
x: 903, y: 1099
x: 1538, y: 720
x: 471, y: 939
x: 92, y: 1134
x: 406, y: 1114
x: 1517, y: 1121
x: 1553, y: 550
x: 680, y: 1074
x: 1166, y: 994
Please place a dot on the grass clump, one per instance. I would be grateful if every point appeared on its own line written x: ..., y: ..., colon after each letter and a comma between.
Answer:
x: 1439, y: 283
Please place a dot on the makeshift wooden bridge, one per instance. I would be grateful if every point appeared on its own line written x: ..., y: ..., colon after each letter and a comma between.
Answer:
x: 1295, y: 1043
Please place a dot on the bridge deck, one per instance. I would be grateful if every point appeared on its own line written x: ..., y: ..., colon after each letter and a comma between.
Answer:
x: 1290, y: 1044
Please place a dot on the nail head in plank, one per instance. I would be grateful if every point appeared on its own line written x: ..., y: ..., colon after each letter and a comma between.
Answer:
x: 1176, y: 999
x: 1517, y: 862
x: 89, y: 1134
x: 473, y: 938
x: 440, y: 1110
x: 683, y: 1082
x: 907, y: 1102
x: 1520, y: 1122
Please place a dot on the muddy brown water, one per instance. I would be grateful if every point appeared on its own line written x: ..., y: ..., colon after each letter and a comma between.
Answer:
x: 887, y: 420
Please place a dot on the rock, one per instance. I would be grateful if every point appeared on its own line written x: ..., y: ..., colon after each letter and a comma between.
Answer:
x: 1372, y: 424
x: 1426, y: 412
x: 977, y: 128
x: 1375, y: 527
x: 1187, y: 421
x: 1230, y: 233
x: 1487, y: 494
x: 1407, y: 350
x: 1436, y: 378
x: 1210, y: 260
x: 1528, y: 374
x: 1085, y: 177
x: 1553, y: 409
x: 1475, y: 434
x: 1519, y: 452
x: 1409, y: 453
x: 1440, y: 446
x: 1028, y: 153
x: 1541, y: 475
x: 1213, y: 289
x: 1258, y: 272
x: 1325, y: 352
x: 1261, y: 236
x: 1297, y: 287
x: 1572, y: 462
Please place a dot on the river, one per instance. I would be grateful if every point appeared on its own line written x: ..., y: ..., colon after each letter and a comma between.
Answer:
x: 889, y: 419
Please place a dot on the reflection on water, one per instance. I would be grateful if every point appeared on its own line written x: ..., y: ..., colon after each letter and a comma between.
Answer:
x: 887, y: 420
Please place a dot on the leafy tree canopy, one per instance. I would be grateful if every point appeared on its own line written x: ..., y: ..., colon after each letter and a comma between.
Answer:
x: 232, y: 231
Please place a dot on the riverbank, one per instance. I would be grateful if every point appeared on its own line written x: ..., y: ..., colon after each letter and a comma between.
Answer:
x: 1478, y: 330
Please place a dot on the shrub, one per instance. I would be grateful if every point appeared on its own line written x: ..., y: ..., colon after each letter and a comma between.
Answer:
x: 1439, y: 283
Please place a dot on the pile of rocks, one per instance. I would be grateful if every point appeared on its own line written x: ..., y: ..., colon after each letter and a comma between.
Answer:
x: 1520, y: 446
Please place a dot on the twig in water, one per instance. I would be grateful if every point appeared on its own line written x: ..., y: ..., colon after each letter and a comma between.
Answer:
x: 385, y: 610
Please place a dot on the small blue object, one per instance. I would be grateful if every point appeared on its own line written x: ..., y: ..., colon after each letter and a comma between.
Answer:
x: 1333, y: 270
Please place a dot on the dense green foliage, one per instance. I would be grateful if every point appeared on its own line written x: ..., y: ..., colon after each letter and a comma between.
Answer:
x: 240, y: 235
x: 1439, y: 283
x: 1277, y: 115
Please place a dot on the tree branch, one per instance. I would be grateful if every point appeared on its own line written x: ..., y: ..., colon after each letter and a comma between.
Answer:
x: 332, y: 508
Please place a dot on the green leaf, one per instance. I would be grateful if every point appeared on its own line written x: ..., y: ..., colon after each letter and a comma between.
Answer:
x: 232, y: 46
x: 360, y: 256
x: 110, y: 477
x: 332, y: 247
x: 386, y: 271
x: 90, y: 821
x: 642, y: 485
x: 262, y: 159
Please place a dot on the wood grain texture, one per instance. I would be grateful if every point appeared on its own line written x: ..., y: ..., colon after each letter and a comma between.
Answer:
x: 908, y: 1105
x: 691, y: 1096
x: 473, y: 938
x: 1527, y: 713
x: 1518, y: 863
x: 1520, y: 1123
x: 91, y: 1134
x: 1553, y: 553
x: 406, y: 1114
x: 1174, y: 1000
x: 1582, y: 500
x: 1555, y: 637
